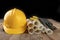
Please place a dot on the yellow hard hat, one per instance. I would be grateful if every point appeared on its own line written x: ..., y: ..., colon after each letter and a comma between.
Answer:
x: 14, y: 21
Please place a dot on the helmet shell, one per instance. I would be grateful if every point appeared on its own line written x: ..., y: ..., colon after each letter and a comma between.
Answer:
x: 14, y: 21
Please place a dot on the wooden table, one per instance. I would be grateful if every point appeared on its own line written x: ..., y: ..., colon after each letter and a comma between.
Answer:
x: 26, y: 36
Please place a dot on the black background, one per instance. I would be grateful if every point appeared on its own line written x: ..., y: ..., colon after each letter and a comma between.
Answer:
x: 44, y: 8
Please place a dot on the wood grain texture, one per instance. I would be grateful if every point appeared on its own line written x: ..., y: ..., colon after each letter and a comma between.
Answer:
x: 26, y: 36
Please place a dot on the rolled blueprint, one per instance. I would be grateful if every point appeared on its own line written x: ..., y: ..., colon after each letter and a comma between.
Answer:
x: 49, y: 31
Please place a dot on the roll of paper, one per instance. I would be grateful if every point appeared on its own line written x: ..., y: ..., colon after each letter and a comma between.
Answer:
x: 37, y: 31
x: 30, y: 31
x: 49, y: 31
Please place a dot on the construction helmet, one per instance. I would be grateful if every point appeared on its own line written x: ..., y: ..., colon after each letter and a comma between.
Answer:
x: 14, y: 21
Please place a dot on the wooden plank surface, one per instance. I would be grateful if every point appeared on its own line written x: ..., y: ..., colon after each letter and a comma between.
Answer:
x: 26, y: 36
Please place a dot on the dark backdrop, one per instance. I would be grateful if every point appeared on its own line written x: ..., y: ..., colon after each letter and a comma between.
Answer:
x: 46, y: 9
